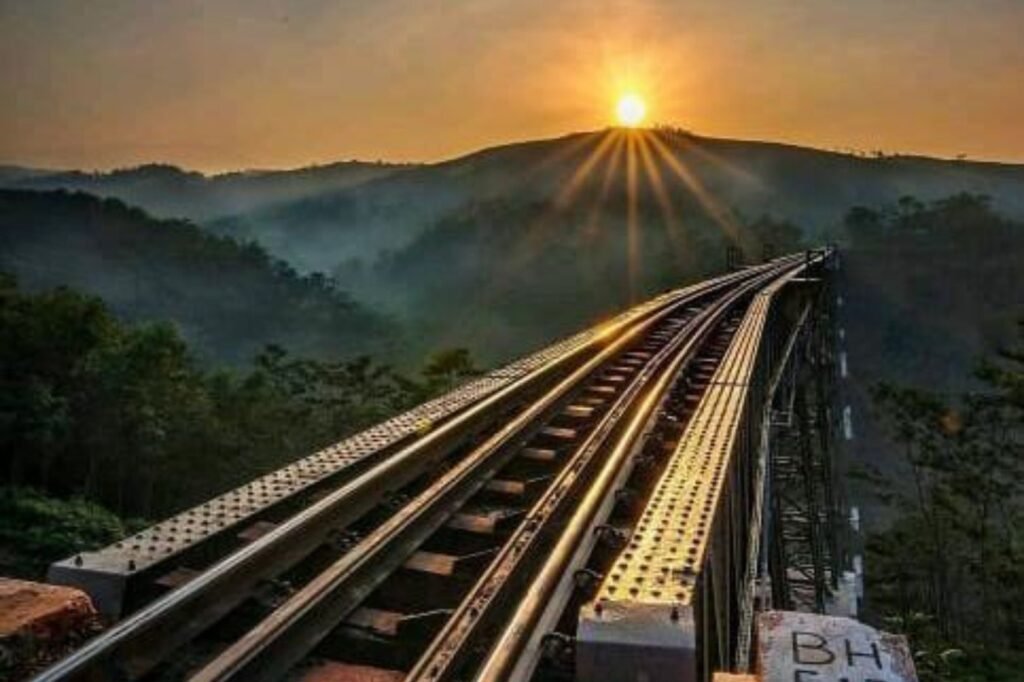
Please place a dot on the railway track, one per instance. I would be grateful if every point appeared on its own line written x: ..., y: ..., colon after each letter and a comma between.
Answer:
x: 466, y: 552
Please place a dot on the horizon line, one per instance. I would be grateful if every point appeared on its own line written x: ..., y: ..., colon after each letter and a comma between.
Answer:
x: 213, y: 172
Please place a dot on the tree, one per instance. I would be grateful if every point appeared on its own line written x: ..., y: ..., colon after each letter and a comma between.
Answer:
x: 948, y: 571
x: 36, y: 530
x: 124, y: 416
x: 446, y: 368
x: 775, y: 237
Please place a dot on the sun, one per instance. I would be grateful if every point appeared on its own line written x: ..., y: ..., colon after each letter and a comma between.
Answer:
x: 630, y: 110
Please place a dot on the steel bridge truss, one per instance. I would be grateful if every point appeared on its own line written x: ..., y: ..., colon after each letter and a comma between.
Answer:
x: 804, y: 557
x: 745, y: 516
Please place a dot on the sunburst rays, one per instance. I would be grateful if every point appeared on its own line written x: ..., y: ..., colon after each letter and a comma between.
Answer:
x: 715, y: 209
x: 632, y: 168
x: 649, y: 170
x: 632, y: 218
x: 670, y: 219
x: 611, y: 168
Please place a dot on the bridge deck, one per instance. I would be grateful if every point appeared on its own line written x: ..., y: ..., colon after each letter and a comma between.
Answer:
x: 643, y: 617
x: 499, y: 508
x: 180, y: 540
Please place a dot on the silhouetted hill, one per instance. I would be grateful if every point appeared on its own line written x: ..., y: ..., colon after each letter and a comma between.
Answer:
x: 519, y: 243
x: 169, y: 192
x: 12, y: 174
x: 508, y: 247
x: 229, y: 299
x: 927, y: 291
x: 810, y: 187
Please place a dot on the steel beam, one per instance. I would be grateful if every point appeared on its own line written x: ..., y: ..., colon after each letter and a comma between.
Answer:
x: 670, y: 608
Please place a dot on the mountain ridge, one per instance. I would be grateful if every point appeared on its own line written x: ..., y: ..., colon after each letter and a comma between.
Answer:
x: 493, y: 247
x: 808, y: 186
x: 25, y: 177
x: 170, y: 191
x: 229, y: 299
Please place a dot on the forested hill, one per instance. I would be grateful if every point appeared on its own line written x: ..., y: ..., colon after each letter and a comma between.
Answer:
x: 928, y: 290
x: 507, y: 248
x: 320, y: 217
x: 229, y: 299
x: 807, y: 186
x: 167, y: 191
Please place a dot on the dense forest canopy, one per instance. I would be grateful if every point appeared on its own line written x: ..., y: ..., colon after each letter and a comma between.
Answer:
x: 933, y: 289
x: 502, y: 230
x: 949, y: 569
x: 502, y: 277
x: 123, y: 416
x: 229, y: 299
x: 936, y: 285
x: 929, y: 289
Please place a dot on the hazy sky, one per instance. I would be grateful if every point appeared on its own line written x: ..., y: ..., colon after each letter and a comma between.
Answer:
x: 220, y: 84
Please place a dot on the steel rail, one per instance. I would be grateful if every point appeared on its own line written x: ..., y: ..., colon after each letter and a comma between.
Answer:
x: 681, y: 585
x: 505, y: 660
x: 135, y: 644
x: 293, y: 629
x: 119, y: 576
x: 127, y: 574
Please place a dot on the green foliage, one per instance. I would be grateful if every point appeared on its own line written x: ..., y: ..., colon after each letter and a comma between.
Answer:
x: 36, y: 530
x: 447, y: 368
x: 124, y: 416
x: 949, y: 571
x: 934, y: 286
x: 505, y: 276
x: 229, y: 299
x: 959, y: 220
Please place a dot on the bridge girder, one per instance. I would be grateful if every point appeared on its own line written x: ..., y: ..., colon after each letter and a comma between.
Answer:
x: 745, y: 517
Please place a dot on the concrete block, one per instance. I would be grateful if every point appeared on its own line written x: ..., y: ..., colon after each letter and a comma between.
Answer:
x: 806, y: 647
x: 635, y: 642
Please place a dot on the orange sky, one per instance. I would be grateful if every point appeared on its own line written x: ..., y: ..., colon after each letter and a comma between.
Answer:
x: 223, y: 84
